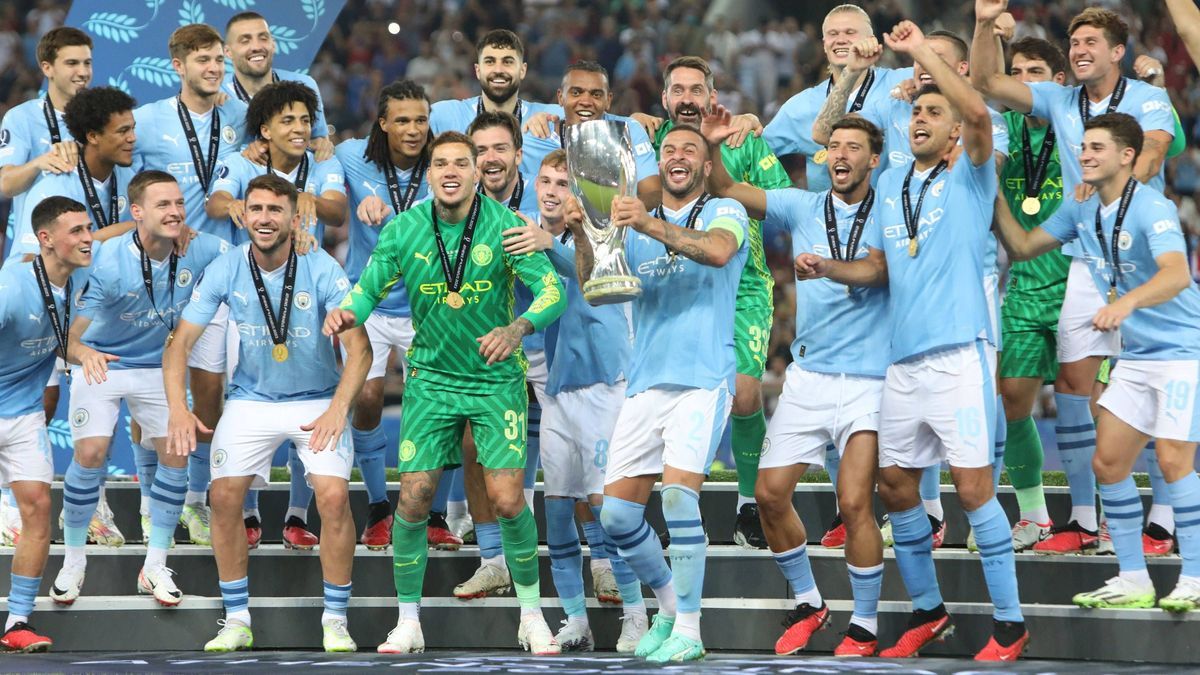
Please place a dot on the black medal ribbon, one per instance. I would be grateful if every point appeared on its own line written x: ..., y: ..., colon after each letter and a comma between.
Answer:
x: 856, y: 228
x: 861, y: 99
x: 93, y: 197
x: 204, y: 167
x: 514, y: 202
x: 148, y: 281
x: 400, y: 204
x: 1114, y: 260
x: 59, y: 325
x: 51, y: 121
x: 912, y: 219
x: 301, y: 171
x: 1085, y: 111
x: 517, y: 113
x: 243, y: 95
x: 1035, y: 173
x: 690, y: 223
x: 277, y: 325
x: 454, y: 278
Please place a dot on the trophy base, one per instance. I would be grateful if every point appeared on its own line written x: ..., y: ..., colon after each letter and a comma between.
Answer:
x: 611, y: 290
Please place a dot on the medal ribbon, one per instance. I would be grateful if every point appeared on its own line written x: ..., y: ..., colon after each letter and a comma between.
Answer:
x: 148, y: 281
x: 454, y: 278
x: 278, y: 326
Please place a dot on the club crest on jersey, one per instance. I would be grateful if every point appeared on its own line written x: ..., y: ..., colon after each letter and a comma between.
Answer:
x: 937, y: 188
x: 303, y: 300
x: 5, y: 138
x: 1125, y: 241
x: 408, y: 450
x: 79, y: 418
x: 219, y: 457
x: 121, y: 203
x: 228, y: 134
x: 184, y: 278
x: 481, y: 255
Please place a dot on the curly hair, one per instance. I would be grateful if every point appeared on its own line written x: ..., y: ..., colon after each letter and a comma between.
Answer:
x: 91, y: 109
x: 274, y: 99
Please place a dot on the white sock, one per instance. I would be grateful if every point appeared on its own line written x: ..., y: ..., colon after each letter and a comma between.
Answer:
x: 410, y: 610
x: 601, y: 564
x: 581, y: 619
x: 456, y: 509
x: 1194, y: 580
x: 687, y: 624
x: 934, y: 508
x: 194, y: 498
x: 1162, y: 514
x: 144, y: 506
x: 296, y: 511
x: 867, y: 623
x: 812, y: 596
x: 527, y: 612
x: 529, y: 498
x: 13, y: 619
x: 156, y: 557
x: 742, y: 501
x: 251, y: 513
x: 666, y: 599
x: 326, y: 617
x: 1085, y: 516
x: 1040, y: 515
x: 241, y: 616
x: 75, y: 555
x: 1139, y: 577
x: 639, y: 608
x: 497, y: 561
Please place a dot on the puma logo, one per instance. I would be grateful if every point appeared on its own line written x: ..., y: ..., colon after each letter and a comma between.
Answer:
x: 372, y: 188
x: 891, y: 202
x: 526, y: 559
x: 411, y: 563
x: 174, y: 139
x: 426, y: 257
x: 241, y: 296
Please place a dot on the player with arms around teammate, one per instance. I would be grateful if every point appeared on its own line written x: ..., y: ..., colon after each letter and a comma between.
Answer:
x: 286, y: 388
x: 689, y: 256
x: 834, y: 386
x: 465, y: 366
x: 1131, y: 237
x: 136, y: 291
x: 933, y: 223
x: 385, y: 176
x: 35, y: 312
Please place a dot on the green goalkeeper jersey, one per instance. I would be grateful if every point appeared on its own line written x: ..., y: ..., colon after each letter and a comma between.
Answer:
x: 752, y: 163
x: 1043, y: 279
x: 445, y: 350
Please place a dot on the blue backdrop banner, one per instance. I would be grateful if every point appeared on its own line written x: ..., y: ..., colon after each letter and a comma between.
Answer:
x: 131, y: 36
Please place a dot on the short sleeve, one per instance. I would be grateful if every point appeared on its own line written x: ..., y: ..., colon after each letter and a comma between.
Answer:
x: 1164, y: 234
x: 730, y: 215
x: 783, y: 205
x: 1061, y: 225
x: 1156, y: 113
x: 331, y: 177
x: 209, y: 293
x: 1047, y: 97
x: 225, y: 179
x: 95, y: 293
x: 15, y: 145
x: 643, y: 151
x: 335, y: 285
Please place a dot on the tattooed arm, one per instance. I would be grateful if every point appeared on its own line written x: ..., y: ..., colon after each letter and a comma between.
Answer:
x: 864, y: 54
x: 713, y: 247
x: 502, y: 341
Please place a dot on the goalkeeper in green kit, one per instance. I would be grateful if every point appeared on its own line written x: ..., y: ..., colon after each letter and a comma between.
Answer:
x: 465, y: 366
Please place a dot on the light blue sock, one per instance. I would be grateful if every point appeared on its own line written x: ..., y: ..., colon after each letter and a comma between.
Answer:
x: 681, y: 510
x: 566, y: 557
x: 146, y: 462
x: 913, y: 535
x: 22, y: 594
x: 931, y: 483
x: 832, y: 461
x: 199, y: 472
x: 458, y: 490
x: 235, y: 595
x: 8, y: 494
x: 625, y: 523
x: 301, y: 493
x: 166, y: 503
x: 337, y: 598
x: 1185, y: 501
x: 1076, y: 435
x: 1123, y: 509
x: 994, y: 539
x: 1000, y: 438
x: 1158, y: 484
x: 533, y: 444
x: 487, y: 535
x: 627, y: 581
x: 795, y: 567
x: 441, y: 496
x: 866, y: 584
x: 250, y: 503
x: 81, y: 493
x: 370, y: 448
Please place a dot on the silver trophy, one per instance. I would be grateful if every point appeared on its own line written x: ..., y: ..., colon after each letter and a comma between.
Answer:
x: 600, y: 164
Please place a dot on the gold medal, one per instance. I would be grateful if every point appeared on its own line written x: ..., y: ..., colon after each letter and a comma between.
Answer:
x: 455, y: 300
x: 821, y: 156
x: 280, y: 353
x: 1112, y: 295
x: 912, y: 247
x: 1031, y: 206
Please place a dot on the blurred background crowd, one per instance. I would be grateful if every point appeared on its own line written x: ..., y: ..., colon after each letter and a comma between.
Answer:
x: 762, y: 53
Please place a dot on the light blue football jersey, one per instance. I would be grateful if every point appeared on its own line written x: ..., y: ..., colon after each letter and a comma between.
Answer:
x: 124, y: 323
x: 1148, y: 104
x: 28, y: 349
x: 68, y: 185
x: 837, y: 332
x: 683, y: 320
x: 365, y: 179
x: 522, y: 296
x: 457, y: 115
x: 25, y: 135
x: 893, y: 115
x: 233, y: 175
x: 936, y: 298
x: 644, y: 156
x: 594, y: 344
x: 310, y: 372
x: 163, y: 145
x: 319, y: 128
x: 1165, y: 332
x: 790, y: 132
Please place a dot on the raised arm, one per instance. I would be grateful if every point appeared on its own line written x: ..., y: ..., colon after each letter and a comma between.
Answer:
x: 863, y: 55
x: 714, y: 246
x: 987, y: 61
x: 1186, y: 16
x: 716, y: 127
